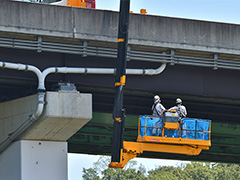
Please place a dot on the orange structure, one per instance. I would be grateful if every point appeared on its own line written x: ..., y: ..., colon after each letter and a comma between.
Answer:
x: 169, y: 134
x: 79, y: 3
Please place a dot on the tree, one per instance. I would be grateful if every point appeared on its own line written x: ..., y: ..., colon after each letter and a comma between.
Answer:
x: 226, y: 171
x: 166, y: 172
x: 198, y: 171
x: 100, y: 169
x: 189, y: 171
x: 90, y: 174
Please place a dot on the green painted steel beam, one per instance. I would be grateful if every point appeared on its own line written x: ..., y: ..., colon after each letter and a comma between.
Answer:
x: 106, y: 120
x: 218, y: 129
x: 225, y: 141
x: 101, y: 125
x: 226, y: 130
x: 103, y: 131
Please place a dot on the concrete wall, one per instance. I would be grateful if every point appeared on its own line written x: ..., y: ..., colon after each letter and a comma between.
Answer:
x: 14, y: 113
x: 64, y: 114
x: 34, y: 160
x: 99, y: 25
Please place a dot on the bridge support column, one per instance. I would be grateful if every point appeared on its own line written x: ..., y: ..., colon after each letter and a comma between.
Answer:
x: 40, y: 152
x: 28, y: 160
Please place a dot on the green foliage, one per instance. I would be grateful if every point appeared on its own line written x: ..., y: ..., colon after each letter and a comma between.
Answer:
x: 199, y: 171
x: 227, y: 171
x: 90, y: 174
x: 131, y: 172
x: 166, y: 172
x: 189, y: 171
x: 125, y: 174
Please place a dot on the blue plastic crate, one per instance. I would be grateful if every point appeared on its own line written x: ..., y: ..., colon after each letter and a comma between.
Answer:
x: 203, y: 125
x: 157, y: 132
x: 151, y: 123
x: 202, y: 136
x: 195, y: 124
x: 187, y: 134
x: 189, y: 123
x: 171, y: 133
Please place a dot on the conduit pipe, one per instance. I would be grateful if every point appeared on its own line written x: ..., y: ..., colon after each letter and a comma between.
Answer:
x: 42, y: 75
x: 21, y: 67
x: 146, y: 71
x: 66, y: 70
x: 33, y: 117
x: 41, y: 87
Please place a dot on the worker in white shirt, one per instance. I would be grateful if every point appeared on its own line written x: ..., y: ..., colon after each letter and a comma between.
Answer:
x: 157, y: 107
x: 180, y: 109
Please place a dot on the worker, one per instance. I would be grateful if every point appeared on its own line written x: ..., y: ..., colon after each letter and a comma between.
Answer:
x: 157, y: 107
x: 181, y: 110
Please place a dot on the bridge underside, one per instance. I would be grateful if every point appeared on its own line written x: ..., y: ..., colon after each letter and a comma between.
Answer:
x: 207, y: 93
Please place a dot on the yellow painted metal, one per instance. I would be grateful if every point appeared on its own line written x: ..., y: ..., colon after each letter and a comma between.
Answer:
x: 118, y: 119
x: 143, y: 11
x: 83, y: 4
x: 120, y: 40
x: 122, y: 81
x: 169, y: 125
x: 124, y: 158
x: 138, y: 148
x: 76, y: 3
x: 172, y: 140
x: 139, y: 126
x: 132, y: 149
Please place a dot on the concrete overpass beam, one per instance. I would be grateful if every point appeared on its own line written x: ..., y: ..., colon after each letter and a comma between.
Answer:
x: 65, y: 113
x: 41, y: 151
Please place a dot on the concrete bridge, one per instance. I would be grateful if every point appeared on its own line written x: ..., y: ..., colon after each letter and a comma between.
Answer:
x: 203, y: 62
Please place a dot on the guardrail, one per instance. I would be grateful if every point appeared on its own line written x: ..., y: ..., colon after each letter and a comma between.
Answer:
x: 85, y: 50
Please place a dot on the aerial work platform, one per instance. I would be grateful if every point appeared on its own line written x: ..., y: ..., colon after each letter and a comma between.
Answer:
x: 168, y: 134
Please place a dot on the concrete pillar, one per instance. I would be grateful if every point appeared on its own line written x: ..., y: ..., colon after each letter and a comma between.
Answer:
x: 40, y: 153
x: 34, y: 160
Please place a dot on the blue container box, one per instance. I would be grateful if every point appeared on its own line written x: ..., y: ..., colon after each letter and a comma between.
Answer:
x: 192, y: 128
x: 157, y: 132
x: 195, y: 128
x: 171, y: 133
x: 186, y: 134
x: 203, y: 125
x: 202, y: 136
x: 154, y: 126
x: 189, y: 123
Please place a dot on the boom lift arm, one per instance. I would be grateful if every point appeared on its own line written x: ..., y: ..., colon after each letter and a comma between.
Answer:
x: 190, y: 140
x: 118, y: 111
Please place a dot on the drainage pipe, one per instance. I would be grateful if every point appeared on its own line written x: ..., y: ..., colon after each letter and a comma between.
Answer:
x: 67, y: 70
x: 146, y: 71
x: 34, y: 117
x: 21, y: 67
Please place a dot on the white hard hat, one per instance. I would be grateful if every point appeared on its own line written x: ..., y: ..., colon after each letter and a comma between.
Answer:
x: 178, y: 101
x: 156, y: 98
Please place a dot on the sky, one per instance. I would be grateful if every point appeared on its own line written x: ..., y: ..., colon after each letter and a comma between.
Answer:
x: 210, y: 10
x: 213, y: 10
